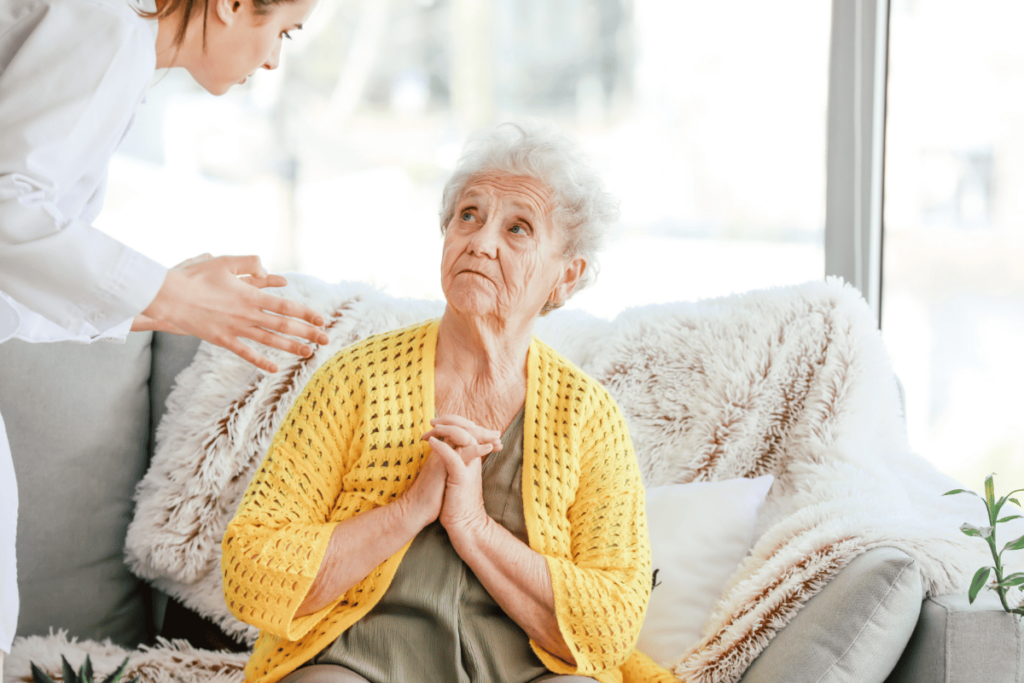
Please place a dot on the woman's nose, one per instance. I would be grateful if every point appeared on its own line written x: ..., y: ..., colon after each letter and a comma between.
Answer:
x: 485, y: 241
x: 275, y: 57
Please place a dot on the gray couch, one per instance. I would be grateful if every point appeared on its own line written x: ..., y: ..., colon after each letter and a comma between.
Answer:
x: 81, y: 421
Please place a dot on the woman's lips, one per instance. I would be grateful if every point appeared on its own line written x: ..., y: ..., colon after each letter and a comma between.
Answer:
x: 470, y: 271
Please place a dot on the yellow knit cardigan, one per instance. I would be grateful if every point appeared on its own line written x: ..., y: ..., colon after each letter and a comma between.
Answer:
x: 351, y: 443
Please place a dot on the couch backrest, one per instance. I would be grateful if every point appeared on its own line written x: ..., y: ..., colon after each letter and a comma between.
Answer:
x: 171, y: 354
x: 78, y: 419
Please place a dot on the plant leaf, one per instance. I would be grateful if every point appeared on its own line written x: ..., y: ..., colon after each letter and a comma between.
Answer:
x: 980, y: 577
x: 979, y: 531
x: 1015, y: 502
x: 956, y: 491
x: 87, y: 674
x: 40, y: 676
x: 1007, y: 519
x: 1017, y: 544
x: 997, y: 507
x: 116, y: 676
x: 69, y: 673
x: 990, y: 490
x: 1010, y: 583
x: 1004, y: 500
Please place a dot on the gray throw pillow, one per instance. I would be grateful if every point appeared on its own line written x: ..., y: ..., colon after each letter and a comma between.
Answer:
x: 853, y: 631
x: 78, y: 421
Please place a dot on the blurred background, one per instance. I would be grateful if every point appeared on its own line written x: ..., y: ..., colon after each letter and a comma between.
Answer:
x: 953, y: 244
x: 707, y: 120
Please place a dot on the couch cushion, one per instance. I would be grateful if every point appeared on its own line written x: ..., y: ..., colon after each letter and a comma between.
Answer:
x: 957, y: 642
x: 171, y: 354
x: 853, y: 631
x: 78, y: 421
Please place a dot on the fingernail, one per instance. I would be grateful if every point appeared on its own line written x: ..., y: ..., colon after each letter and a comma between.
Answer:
x: 323, y: 339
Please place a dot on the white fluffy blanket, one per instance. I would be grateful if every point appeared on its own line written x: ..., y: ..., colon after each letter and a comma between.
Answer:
x: 793, y: 382
x: 170, y: 661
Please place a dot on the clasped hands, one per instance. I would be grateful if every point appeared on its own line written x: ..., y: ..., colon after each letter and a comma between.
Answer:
x: 449, y: 488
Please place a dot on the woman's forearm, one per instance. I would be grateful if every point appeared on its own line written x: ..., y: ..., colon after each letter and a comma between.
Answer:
x: 517, y: 577
x: 356, y: 547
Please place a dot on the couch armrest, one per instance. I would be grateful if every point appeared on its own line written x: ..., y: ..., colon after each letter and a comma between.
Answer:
x: 957, y: 642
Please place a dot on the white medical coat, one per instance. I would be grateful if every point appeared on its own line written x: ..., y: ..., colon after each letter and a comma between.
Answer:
x: 72, y: 74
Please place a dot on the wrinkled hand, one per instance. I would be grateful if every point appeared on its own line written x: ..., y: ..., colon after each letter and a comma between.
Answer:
x: 461, y: 445
x: 423, y: 500
x: 218, y: 299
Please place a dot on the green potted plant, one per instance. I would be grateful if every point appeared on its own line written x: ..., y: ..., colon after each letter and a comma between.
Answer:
x: 84, y: 675
x: 1001, y: 584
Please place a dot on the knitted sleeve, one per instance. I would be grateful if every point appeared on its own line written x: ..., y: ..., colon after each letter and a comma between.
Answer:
x: 601, y: 594
x: 640, y: 668
x: 273, y: 547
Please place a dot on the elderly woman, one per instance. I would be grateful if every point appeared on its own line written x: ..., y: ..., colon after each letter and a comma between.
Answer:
x: 455, y: 501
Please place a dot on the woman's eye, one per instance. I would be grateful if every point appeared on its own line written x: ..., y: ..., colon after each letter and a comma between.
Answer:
x: 467, y: 216
x: 518, y: 228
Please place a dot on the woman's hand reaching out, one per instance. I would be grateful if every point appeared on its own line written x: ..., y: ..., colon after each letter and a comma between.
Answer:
x: 143, y: 323
x: 219, y: 300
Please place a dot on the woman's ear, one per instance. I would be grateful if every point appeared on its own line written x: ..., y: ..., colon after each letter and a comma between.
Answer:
x: 227, y: 11
x: 567, y: 283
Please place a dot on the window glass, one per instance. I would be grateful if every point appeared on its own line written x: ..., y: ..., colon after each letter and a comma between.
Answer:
x: 707, y: 121
x: 953, y: 302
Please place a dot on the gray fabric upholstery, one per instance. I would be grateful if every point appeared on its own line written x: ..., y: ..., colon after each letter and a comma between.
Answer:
x: 171, y: 354
x: 956, y: 642
x: 78, y: 422
x: 853, y: 631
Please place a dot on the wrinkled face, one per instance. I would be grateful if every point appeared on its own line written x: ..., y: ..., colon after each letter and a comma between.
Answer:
x: 503, y: 255
x: 239, y: 41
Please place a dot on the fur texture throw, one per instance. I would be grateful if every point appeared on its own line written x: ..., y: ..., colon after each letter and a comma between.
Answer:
x: 170, y: 661
x: 793, y: 382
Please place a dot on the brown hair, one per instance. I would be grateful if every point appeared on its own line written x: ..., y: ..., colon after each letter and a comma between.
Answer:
x: 191, y: 7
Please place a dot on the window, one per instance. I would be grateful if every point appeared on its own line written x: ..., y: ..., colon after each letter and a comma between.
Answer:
x: 706, y: 119
x: 953, y: 285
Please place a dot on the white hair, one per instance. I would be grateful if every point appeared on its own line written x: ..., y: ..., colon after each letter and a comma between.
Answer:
x: 580, y: 205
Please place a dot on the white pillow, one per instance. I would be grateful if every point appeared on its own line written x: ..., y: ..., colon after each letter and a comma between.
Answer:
x: 699, y: 533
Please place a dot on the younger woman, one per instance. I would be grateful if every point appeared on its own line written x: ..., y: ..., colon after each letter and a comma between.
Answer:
x: 72, y: 74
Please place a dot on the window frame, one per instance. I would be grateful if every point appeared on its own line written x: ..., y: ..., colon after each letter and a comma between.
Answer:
x: 855, y: 148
